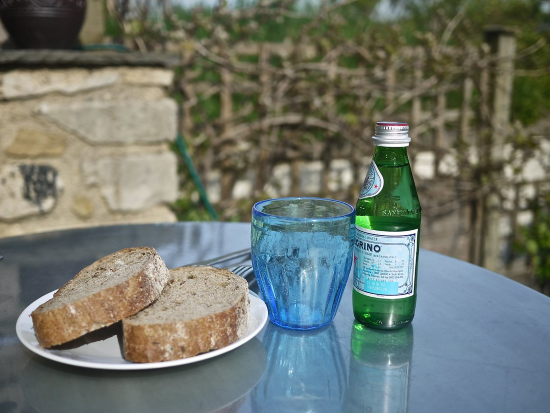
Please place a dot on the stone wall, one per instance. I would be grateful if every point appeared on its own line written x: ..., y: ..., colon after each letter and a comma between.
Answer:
x: 84, y: 147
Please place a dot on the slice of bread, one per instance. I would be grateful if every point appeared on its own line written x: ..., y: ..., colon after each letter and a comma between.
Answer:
x: 200, y: 309
x: 110, y: 289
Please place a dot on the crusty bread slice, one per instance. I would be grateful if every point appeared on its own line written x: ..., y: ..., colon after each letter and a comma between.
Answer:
x: 200, y: 309
x: 110, y: 289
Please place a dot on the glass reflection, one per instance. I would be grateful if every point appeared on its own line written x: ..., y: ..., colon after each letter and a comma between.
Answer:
x: 379, y: 370
x: 305, y: 372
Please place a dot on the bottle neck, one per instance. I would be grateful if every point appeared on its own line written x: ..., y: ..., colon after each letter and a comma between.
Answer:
x: 391, y: 156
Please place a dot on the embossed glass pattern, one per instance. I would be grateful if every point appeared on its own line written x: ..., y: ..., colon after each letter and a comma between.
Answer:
x: 302, y: 251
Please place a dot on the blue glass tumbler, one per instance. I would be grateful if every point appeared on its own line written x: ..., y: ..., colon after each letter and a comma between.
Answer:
x: 302, y: 251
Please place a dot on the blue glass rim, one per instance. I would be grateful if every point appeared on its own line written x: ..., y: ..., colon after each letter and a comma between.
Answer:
x: 255, y: 210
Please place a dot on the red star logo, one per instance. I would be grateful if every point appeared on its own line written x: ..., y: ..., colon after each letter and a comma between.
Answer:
x: 376, y: 186
x: 354, y: 258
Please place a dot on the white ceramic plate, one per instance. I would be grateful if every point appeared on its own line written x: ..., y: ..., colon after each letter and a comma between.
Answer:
x: 106, y: 354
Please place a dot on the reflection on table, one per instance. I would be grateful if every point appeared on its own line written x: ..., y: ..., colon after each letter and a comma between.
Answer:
x: 379, y: 371
x: 305, y: 372
x: 477, y: 337
x: 221, y: 382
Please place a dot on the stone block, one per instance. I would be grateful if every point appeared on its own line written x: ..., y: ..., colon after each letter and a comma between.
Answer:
x: 535, y: 170
x: 340, y: 175
x: 423, y: 165
x: 33, y: 143
x: 93, y: 30
x: 83, y: 207
x: 242, y: 189
x: 26, y: 83
x: 148, y: 76
x: 3, y: 34
x: 123, y: 122
x: 213, y: 185
x: 310, y: 177
x: 134, y: 182
x: 280, y: 183
x: 448, y: 165
x: 28, y: 189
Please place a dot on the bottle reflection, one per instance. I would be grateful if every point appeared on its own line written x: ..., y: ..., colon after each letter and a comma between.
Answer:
x: 379, y: 370
x: 305, y: 372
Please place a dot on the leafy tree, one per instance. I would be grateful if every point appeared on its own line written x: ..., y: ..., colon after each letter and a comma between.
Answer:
x: 530, y: 19
x: 535, y: 242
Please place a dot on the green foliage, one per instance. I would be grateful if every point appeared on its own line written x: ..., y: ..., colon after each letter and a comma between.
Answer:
x: 535, y: 241
x: 531, y: 99
x: 405, y: 23
x: 531, y: 94
x: 189, y: 207
x: 112, y: 29
x: 416, y: 23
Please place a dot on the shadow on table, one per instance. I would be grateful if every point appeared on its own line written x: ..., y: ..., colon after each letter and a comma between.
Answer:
x: 221, y: 382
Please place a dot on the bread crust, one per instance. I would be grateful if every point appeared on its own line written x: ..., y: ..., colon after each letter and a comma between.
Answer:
x: 173, y: 340
x: 106, y: 307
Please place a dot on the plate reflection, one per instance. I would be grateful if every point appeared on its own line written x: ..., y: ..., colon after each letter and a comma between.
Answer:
x: 221, y: 382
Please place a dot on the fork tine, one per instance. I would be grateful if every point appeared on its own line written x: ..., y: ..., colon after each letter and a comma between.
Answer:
x: 247, y: 272
x: 242, y: 254
x: 238, y: 270
x: 242, y: 270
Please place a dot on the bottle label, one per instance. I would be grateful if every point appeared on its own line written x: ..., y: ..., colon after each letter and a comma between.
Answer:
x: 385, y: 263
x: 374, y: 182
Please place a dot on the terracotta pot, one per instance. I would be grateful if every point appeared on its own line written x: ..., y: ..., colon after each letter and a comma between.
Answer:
x: 43, y: 24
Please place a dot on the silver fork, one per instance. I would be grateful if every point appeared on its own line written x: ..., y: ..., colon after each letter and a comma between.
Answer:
x: 247, y: 272
x: 241, y: 255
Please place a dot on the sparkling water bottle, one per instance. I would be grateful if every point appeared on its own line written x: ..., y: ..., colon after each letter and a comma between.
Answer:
x: 387, y: 231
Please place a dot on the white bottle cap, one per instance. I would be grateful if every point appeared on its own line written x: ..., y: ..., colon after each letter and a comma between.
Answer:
x: 391, y: 134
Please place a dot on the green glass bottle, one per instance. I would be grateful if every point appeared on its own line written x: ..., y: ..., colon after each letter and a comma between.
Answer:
x: 387, y: 231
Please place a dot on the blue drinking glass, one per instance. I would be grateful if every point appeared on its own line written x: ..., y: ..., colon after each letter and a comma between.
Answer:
x: 302, y: 251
